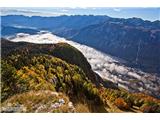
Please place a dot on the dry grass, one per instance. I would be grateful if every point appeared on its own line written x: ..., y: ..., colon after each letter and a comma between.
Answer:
x: 39, y: 101
x: 81, y: 108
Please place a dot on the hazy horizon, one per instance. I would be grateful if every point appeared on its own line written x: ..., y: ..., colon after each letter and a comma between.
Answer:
x: 151, y: 14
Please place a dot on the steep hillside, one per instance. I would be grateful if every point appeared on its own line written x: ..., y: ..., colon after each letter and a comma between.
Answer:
x: 108, y: 67
x: 137, y: 45
x: 35, y: 80
x: 45, y: 72
x: 60, y: 50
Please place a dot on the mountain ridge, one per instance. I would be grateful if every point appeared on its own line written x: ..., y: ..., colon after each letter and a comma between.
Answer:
x: 108, y: 67
x: 40, y: 69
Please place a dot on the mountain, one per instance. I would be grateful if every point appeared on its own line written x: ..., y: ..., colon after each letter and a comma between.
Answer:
x: 138, y: 46
x: 105, y: 64
x: 133, y: 39
x: 12, y: 31
x: 43, y: 78
x: 28, y: 67
x: 59, y: 23
x: 73, y: 22
x: 108, y: 67
x: 60, y: 50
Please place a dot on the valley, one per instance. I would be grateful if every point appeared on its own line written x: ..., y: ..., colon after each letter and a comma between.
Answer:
x: 108, y: 67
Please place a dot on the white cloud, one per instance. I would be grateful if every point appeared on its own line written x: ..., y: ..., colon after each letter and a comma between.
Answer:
x: 64, y: 10
x: 26, y: 12
x: 117, y: 9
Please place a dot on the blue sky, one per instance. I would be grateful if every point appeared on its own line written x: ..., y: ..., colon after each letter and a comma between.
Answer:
x: 144, y: 13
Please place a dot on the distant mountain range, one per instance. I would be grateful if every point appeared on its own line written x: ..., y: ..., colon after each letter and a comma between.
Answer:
x: 53, y: 23
x: 134, y: 40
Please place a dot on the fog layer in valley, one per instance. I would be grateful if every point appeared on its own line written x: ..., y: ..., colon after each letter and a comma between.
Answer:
x: 106, y: 66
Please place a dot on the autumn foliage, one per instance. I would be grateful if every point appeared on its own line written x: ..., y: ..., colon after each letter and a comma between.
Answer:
x: 120, y: 103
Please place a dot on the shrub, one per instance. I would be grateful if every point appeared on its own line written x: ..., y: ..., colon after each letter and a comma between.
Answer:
x: 121, y: 104
x: 147, y: 108
x: 150, y: 107
x: 8, y: 80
